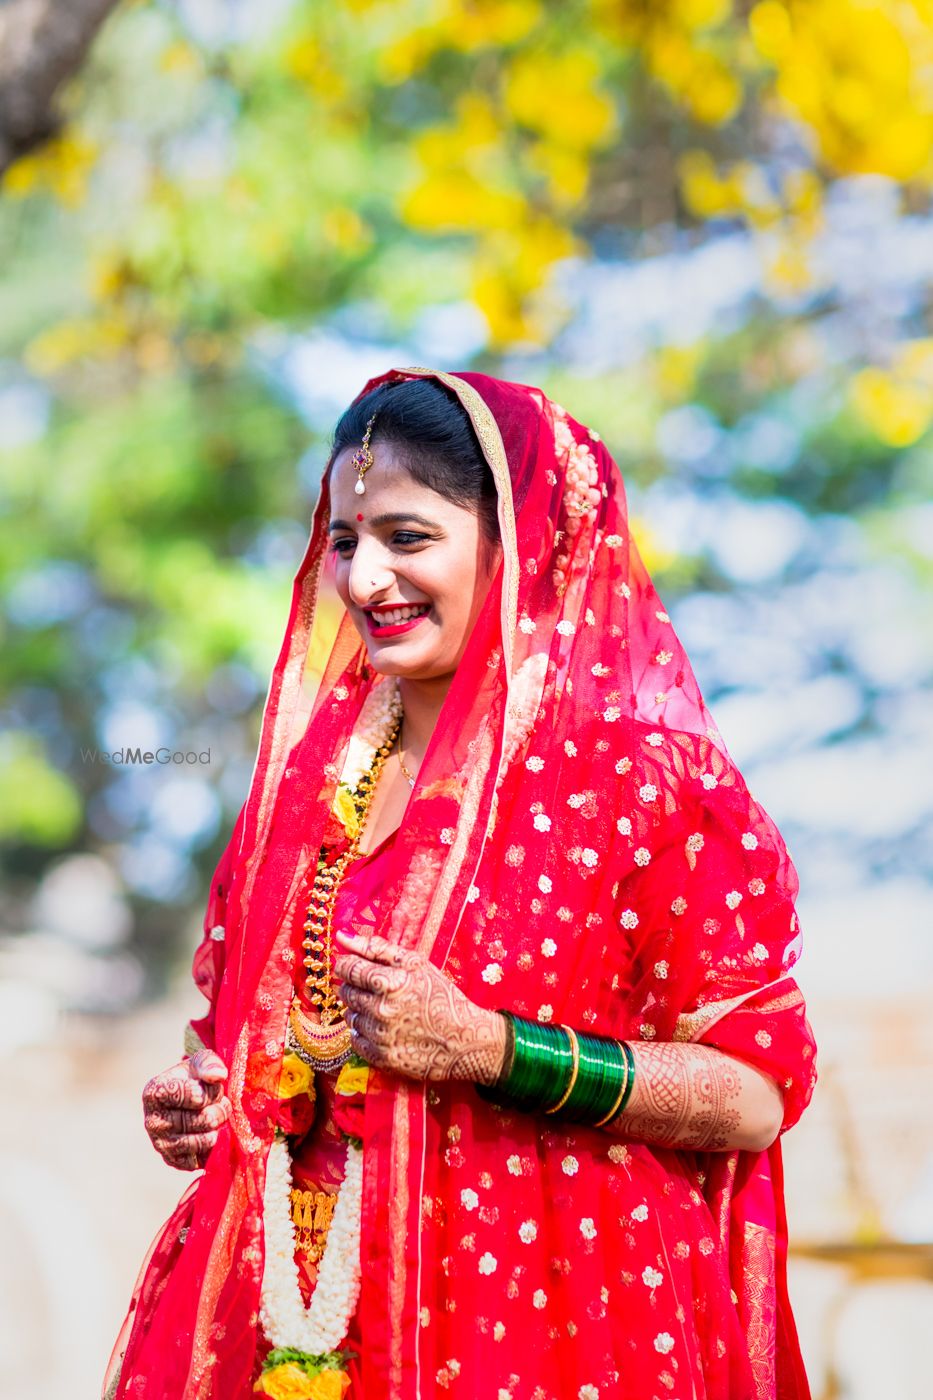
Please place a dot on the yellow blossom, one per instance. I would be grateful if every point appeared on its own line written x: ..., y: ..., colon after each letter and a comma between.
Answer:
x: 292, y: 1382
x: 510, y: 281
x: 307, y: 60
x: 655, y: 556
x: 676, y: 368
x: 583, y: 118
x: 352, y: 1079
x: 61, y: 166
x: 329, y: 1385
x: 457, y: 201
x: 286, y: 1382
x: 295, y: 1077
x: 897, y: 410
x: 788, y: 271
x: 855, y: 73
x: 345, y: 811
x: 473, y: 24
x: 101, y: 337
x: 694, y: 75
x: 567, y: 172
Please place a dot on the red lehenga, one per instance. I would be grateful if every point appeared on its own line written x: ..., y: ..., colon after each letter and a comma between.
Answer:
x: 579, y: 848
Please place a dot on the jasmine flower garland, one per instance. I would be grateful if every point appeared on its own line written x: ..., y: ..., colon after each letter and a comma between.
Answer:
x: 321, y: 1326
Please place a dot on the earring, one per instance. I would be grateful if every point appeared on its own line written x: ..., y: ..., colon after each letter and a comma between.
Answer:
x: 362, y: 458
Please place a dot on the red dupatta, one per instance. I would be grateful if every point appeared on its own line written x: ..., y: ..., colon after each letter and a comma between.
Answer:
x: 579, y: 847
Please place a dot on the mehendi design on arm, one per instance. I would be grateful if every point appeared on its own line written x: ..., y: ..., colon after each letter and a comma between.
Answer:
x: 686, y: 1096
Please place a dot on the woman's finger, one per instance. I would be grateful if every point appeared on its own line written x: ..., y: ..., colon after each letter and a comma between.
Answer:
x: 357, y: 999
x: 371, y: 976
x: 174, y: 1089
x: 377, y: 949
x: 173, y: 1121
x: 207, y: 1066
x: 365, y: 1048
x: 188, y: 1154
x: 367, y: 1025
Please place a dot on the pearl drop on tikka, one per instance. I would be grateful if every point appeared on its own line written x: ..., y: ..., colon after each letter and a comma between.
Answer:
x: 360, y: 487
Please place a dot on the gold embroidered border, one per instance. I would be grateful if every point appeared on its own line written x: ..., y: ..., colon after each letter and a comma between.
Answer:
x: 292, y: 680
x: 490, y: 440
x: 758, y: 1256
x: 692, y: 1024
x: 398, y: 1235
x: 114, y: 1382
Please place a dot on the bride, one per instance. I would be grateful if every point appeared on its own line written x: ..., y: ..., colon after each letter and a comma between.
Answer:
x: 502, y: 1029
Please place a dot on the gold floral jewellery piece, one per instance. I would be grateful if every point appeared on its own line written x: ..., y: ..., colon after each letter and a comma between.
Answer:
x: 326, y: 1045
x: 363, y: 459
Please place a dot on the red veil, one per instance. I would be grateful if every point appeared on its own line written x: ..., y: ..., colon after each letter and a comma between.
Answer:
x: 579, y: 847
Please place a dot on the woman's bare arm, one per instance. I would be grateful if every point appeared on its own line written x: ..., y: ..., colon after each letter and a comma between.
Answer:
x: 685, y: 1096
x: 694, y: 1096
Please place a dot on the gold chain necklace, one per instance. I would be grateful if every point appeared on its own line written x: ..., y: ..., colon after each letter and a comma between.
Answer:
x: 326, y: 1044
x: 412, y: 777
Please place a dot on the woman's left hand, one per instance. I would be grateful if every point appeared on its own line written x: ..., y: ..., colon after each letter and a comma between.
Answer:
x: 407, y: 1016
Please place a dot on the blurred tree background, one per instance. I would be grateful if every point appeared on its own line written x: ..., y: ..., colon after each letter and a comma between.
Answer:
x: 703, y: 226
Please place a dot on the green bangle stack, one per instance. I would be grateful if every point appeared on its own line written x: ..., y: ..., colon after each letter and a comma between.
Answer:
x: 596, y: 1074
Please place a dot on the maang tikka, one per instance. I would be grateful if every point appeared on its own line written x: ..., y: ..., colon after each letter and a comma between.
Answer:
x: 362, y: 458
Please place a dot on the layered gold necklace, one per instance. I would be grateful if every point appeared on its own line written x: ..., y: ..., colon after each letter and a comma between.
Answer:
x: 325, y: 1044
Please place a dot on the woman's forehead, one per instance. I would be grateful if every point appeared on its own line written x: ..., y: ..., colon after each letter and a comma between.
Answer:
x: 390, y: 487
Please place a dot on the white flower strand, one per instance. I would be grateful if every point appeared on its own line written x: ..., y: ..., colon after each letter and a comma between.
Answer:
x: 286, y: 1321
x: 381, y: 708
x: 321, y: 1326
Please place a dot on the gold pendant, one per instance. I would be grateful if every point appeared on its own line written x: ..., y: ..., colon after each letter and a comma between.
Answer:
x: 323, y: 1047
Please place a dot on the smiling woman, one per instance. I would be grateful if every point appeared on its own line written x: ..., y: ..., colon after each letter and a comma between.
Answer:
x: 502, y: 1028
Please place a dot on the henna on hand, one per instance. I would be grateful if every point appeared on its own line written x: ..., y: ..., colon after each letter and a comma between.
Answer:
x: 406, y: 1015
x: 184, y: 1107
x: 698, y: 1098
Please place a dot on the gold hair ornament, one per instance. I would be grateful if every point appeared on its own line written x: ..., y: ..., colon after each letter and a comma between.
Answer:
x: 362, y: 458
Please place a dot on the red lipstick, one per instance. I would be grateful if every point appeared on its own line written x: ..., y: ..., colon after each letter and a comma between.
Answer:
x: 394, y: 630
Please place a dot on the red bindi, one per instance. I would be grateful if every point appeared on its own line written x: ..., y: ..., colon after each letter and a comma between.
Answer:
x: 359, y: 517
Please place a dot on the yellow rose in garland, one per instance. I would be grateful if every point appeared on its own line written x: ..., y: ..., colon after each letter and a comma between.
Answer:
x: 288, y: 1382
x: 295, y: 1078
x: 345, y: 809
x: 304, y: 1378
x: 296, y: 1096
x: 329, y: 1385
x: 343, y: 824
x: 353, y: 1077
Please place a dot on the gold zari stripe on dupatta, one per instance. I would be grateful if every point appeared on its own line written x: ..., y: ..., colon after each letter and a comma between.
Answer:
x: 692, y: 1024
x: 758, y: 1274
x: 490, y: 440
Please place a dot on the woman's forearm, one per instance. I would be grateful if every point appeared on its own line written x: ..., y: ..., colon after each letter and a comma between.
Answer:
x: 684, y: 1096
x: 693, y: 1096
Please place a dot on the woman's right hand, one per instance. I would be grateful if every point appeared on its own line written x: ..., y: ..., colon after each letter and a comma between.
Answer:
x: 184, y: 1107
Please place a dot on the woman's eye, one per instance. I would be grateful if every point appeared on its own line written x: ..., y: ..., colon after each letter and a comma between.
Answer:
x: 406, y: 537
x: 342, y: 546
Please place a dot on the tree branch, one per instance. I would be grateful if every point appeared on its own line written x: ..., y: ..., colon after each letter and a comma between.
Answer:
x: 43, y: 43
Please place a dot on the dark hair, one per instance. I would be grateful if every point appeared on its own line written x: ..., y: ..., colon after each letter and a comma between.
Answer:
x: 438, y: 444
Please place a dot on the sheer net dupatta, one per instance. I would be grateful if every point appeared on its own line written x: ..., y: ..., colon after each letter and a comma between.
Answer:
x: 553, y: 767
x: 604, y: 755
